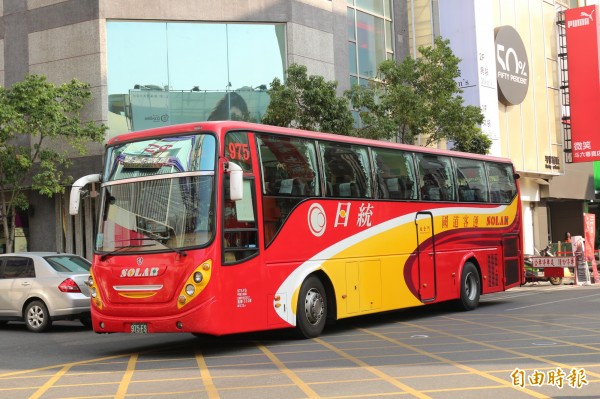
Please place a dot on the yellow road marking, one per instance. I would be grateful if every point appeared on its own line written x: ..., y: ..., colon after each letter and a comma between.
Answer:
x: 122, y: 391
x: 211, y: 390
x: 42, y: 390
x: 374, y: 370
x: 521, y: 354
x: 453, y: 363
x: 21, y: 372
x: 289, y: 373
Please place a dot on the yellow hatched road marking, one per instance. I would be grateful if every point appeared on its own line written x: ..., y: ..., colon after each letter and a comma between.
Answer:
x: 122, y: 391
x: 570, y: 327
x: 374, y: 370
x: 42, y: 390
x: 291, y: 375
x: 521, y: 354
x: 22, y: 372
x: 211, y: 390
x: 448, y: 361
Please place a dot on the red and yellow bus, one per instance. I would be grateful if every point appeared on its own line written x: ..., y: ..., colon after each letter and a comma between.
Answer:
x: 228, y: 227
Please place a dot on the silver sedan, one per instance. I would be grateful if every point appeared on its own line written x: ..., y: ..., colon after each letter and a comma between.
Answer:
x: 40, y: 287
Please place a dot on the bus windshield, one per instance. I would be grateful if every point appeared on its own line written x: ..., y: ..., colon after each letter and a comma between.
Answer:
x: 158, y: 194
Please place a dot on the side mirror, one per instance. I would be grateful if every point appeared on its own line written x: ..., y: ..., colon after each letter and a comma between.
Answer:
x: 76, y: 191
x: 236, y: 182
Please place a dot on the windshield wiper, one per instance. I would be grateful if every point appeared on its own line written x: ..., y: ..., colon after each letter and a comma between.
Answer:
x: 119, y: 249
x: 161, y: 240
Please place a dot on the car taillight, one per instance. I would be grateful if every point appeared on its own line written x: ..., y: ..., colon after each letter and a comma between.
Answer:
x: 69, y: 286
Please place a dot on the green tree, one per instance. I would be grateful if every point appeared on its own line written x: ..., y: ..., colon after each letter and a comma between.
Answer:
x: 307, y: 102
x: 419, y: 97
x: 39, y: 125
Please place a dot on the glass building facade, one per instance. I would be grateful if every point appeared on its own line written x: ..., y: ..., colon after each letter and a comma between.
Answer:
x: 163, y: 73
x: 152, y: 66
x: 369, y: 38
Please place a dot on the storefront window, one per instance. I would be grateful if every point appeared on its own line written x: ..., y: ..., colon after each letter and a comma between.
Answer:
x: 163, y: 73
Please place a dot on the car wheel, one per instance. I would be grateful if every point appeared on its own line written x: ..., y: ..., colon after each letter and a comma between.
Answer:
x: 311, y: 313
x: 469, y: 288
x: 37, y: 317
x: 555, y: 280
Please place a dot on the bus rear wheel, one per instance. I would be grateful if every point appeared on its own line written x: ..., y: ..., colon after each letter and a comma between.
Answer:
x: 311, y: 313
x: 470, y: 289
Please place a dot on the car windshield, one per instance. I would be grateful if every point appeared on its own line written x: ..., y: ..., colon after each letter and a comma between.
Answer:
x: 68, y: 264
x: 158, y: 195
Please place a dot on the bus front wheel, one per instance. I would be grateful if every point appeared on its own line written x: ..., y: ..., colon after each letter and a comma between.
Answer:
x: 470, y: 289
x: 311, y: 313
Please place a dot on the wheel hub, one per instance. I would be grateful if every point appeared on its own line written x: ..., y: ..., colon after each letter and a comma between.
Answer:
x: 313, y: 306
x: 35, y: 316
x: 470, y: 286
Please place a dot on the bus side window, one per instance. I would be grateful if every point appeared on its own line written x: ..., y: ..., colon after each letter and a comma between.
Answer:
x: 472, y: 180
x: 436, y: 178
x: 347, y: 170
x: 394, y: 174
x: 501, y: 181
x: 289, y: 174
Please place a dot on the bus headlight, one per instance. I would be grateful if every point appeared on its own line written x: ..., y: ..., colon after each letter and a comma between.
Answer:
x: 189, y: 289
x: 94, y: 292
x: 196, y: 283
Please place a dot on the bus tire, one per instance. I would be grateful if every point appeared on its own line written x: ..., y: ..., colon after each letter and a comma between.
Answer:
x: 311, y: 313
x: 470, y: 288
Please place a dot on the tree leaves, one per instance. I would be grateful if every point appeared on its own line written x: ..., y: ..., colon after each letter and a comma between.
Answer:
x: 307, y: 102
x: 414, y: 98
x: 419, y: 98
x: 39, y: 123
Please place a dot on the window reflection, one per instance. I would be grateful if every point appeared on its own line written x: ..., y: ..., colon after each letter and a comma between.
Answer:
x: 347, y: 170
x: 370, y: 37
x: 371, y: 43
x: 188, y: 57
x: 375, y: 6
x: 166, y: 73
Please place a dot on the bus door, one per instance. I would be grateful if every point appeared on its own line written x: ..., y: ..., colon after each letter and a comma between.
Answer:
x: 426, y: 248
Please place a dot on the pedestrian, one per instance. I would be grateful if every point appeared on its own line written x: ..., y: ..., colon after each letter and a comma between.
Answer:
x: 582, y: 271
x: 567, y: 237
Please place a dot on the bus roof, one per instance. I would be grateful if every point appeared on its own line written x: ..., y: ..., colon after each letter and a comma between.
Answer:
x: 218, y: 126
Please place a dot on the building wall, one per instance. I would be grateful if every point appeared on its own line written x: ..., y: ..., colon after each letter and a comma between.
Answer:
x: 311, y: 23
x: 421, y: 24
x: 531, y: 131
x: 576, y: 184
x: 66, y: 39
x: 563, y: 214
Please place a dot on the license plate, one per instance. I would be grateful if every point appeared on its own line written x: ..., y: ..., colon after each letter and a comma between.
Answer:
x: 139, y: 328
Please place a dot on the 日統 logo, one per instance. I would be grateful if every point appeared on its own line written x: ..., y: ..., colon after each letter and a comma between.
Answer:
x: 317, y: 221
